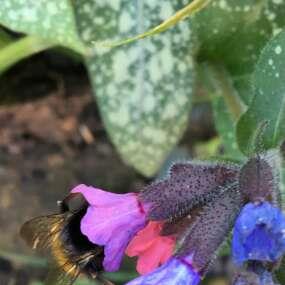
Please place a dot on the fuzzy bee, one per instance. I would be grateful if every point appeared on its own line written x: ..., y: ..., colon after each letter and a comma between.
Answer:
x: 73, y: 254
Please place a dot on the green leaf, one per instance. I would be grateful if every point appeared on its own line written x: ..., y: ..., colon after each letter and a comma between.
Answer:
x: 20, y: 49
x: 225, y: 127
x: 233, y: 32
x: 281, y: 272
x: 86, y: 282
x: 180, y: 15
x: 143, y: 90
x: 51, y: 20
x: 263, y: 124
x: 5, y: 39
x: 282, y: 187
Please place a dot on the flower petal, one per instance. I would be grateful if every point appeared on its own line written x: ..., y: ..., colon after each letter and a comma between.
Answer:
x: 111, y: 220
x: 259, y: 233
x: 151, y: 248
x: 174, y: 271
x: 255, y: 273
x: 114, y: 251
x: 144, y: 239
x: 101, y: 198
x: 159, y: 252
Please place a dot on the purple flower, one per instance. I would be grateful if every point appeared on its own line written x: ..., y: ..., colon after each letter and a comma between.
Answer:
x: 259, y: 233
x: 111, y: 221
x: 174, y: 271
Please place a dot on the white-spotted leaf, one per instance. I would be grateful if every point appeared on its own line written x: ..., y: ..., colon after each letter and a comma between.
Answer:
x: 233, y: 32
x: 143, y: 89
x: 263, y: 125
x: 51, y: 20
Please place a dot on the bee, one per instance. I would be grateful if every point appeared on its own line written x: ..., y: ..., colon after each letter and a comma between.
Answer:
x: 73, y: 254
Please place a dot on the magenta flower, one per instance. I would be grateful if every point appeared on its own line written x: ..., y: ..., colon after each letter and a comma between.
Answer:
x: 111, y: 220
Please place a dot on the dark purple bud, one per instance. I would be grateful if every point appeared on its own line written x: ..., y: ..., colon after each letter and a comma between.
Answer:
x: 188, y: 185
x: 256, y: 180
x: 177, y: 226
x: 211, y: 228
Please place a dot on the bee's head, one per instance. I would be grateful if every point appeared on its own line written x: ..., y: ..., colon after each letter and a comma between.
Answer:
x: 76, y: 243
x: 73, y: 203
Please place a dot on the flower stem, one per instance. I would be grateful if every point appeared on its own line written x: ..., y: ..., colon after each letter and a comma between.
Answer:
x: 223, y: 85
x: 21, y: 49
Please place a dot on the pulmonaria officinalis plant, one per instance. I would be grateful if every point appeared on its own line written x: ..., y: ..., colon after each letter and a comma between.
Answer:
x: 144, y: 92
x: 176, y: 226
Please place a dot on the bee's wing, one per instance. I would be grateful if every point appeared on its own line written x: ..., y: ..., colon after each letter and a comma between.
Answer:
x: 57, y: 276
x: 39, y: 232
x: 43, y: 232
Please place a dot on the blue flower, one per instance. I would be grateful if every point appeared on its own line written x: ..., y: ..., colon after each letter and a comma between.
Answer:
x: 259, y: 234
x: 263, y: 279
x: 254, y: 273
x: 175, y: 271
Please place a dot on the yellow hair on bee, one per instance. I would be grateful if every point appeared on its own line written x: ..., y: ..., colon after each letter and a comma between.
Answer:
x: 62, y: 257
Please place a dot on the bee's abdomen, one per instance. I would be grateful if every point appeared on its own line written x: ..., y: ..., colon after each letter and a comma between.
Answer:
x: 73, y: 251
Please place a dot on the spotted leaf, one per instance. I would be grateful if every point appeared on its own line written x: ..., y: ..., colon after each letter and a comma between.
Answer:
x: 51, y: 20
x: 143, y: 89
x: 263, y: 125
x: 233, y: 32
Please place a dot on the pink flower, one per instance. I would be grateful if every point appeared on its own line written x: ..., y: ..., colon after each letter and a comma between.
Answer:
x: 151, y: 248
x: 111, y: 220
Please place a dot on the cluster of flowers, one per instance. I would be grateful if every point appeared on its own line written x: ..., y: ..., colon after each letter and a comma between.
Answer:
x: 176, y: 226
